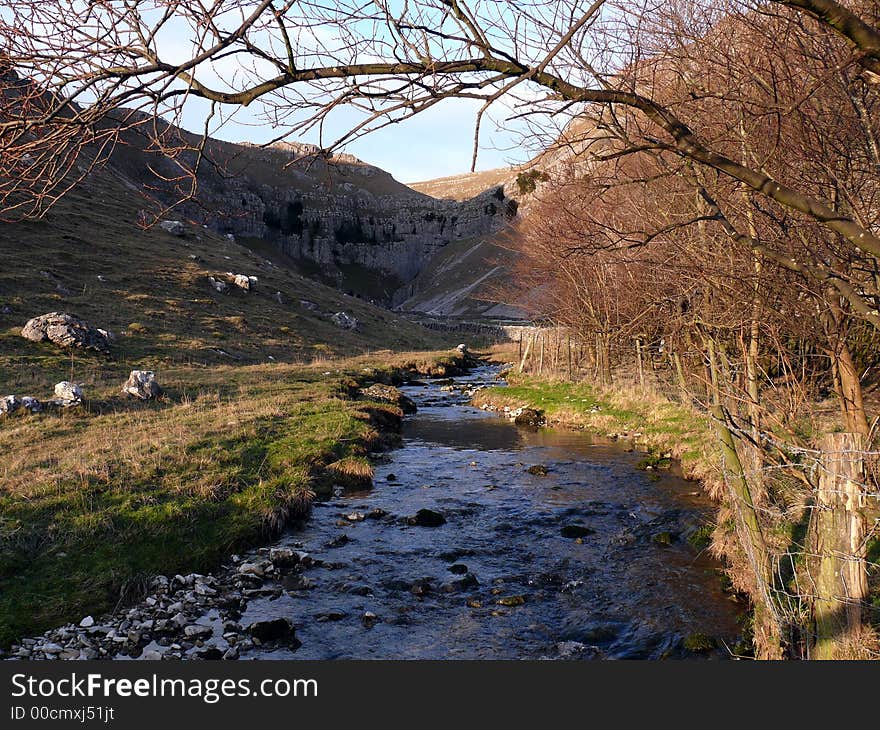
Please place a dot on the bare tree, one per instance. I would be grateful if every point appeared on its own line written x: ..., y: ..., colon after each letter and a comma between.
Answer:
x: 69, y: 66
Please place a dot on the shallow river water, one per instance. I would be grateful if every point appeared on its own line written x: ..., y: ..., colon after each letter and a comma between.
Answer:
x: 499, y: 579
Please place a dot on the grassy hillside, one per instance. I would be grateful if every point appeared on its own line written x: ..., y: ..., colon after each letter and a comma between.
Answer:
x: 90, y: 258
x: 466, y: 185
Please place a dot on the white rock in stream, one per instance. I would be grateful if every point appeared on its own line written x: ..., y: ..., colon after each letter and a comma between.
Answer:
x: 254, y: 569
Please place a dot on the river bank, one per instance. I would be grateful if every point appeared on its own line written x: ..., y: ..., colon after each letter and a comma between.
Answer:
x: 98, y: 499
x: 461, y: 549
x: 643, y: 420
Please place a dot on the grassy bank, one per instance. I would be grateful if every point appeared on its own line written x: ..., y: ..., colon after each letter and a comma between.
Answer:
x: 96, y: 499
x: 648, y: 420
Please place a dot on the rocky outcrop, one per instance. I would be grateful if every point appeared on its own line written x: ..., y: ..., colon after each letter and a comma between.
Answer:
x: 65, y: 330
x: 333, y: 210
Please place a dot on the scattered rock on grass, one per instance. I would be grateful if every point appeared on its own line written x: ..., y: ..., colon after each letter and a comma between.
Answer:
x: 344, y: 320
x: 175, y: 228
x: 31, y: 404
x: 68, y: 394
x: 65, y: 330
x: 142, y: 384
x: 219, y: 286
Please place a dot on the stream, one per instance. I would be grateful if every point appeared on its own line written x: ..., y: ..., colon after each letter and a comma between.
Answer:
x: 478, y: 540
x: 499, y: 579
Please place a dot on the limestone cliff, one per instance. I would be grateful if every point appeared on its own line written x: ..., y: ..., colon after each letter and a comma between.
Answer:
x: 353, y: 223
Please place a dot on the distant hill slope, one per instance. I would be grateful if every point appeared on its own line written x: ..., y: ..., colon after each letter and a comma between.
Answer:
x: 466, y: 185
x: 467, y: 278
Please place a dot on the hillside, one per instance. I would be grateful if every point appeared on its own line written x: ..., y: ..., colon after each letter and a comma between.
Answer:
x: 466, y: 185
x: 466, y: 279
x: 90, y: 257
x: 350, y: 224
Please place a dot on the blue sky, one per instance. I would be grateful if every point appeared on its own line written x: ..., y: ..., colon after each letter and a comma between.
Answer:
x: 435, y: 143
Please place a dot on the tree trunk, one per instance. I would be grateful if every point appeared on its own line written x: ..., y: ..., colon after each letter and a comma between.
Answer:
x: 541, y: 357
x: 838, y: 569
x: 849, y: 393
x: 569, y: 358
x: 640, y: 363
x: 525, y: 357
x: 682, y: 381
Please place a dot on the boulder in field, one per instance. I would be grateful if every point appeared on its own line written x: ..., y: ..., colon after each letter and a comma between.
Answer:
x: 68, y: 394
x: 241, y: 281
x: 175, y: 228
x: 218, y: 286
x: 142, y: 384
x: 344, y: 320
x: 65, y: 330
x: 31, y: 404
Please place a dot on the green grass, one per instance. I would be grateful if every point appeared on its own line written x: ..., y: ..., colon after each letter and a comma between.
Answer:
x: 97, y: 499
x: 655, y: 423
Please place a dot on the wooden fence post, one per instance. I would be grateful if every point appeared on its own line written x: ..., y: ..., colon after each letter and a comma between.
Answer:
x: 525, y: 357
x: 838, y: 562
x: 569, y: 358
x: 640, y: 363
